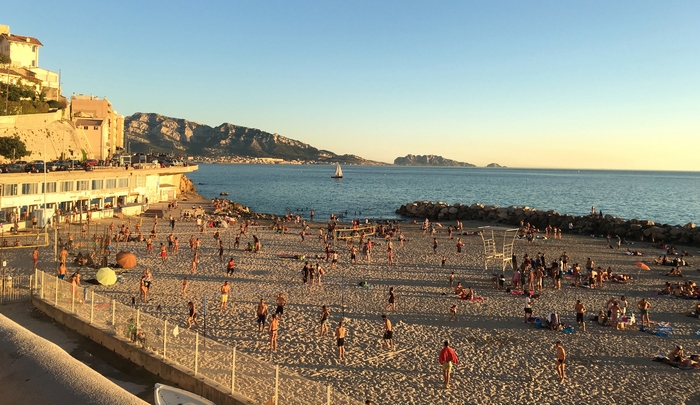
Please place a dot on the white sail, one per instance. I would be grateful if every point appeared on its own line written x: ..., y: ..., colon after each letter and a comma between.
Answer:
x: 338, y: 171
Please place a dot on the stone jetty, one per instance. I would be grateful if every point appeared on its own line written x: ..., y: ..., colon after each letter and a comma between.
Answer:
x: 632, y: 230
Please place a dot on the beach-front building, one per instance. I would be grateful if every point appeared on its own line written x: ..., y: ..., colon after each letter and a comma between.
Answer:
x: 24, y: 68
x: 102, y: 126
x: 103, y: 191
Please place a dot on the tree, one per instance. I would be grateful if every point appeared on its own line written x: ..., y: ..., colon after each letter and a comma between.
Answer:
x: 11, y: 147
x: 4, y: 59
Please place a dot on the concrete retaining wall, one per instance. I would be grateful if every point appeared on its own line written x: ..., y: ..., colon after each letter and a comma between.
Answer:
x: 156, y: 365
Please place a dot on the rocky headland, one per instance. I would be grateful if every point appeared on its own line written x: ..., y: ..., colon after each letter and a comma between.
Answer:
x: 632, y: 230
x: 158, y: 133
x: 429, y: 160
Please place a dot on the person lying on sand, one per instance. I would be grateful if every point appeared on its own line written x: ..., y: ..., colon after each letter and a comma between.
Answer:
x: 676, y: 272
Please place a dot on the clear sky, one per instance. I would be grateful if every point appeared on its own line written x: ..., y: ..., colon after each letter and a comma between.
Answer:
x: 594, y: 84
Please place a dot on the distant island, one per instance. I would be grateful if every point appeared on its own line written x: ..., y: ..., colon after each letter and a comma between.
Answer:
x: 429, y: 160
x: 494, y: 165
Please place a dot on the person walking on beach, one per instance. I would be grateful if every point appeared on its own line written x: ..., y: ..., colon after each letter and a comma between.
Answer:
x: 447, y: 359
x: 325, y: 314
x: 230, y: 266
x: 561, y: 360
x: 644, y: 306
x: 63, y: 256
x: 192, y: 318
x: 528, y: 306
x: 225, y: 290
x: 221, y: 251
x: 35, y: 257
x: 580, y: 314
x: 185, y: 283
x: 163, y: 253
x: 388, y: 335
x: 261, y: 312
x: 391, y: 301
x: 274, y: 326
x: 281, y: 303
x: 459, y: 245
x: 435, y: 245
x: 340, y: 340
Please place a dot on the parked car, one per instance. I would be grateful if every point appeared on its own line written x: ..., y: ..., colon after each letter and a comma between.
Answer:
x: 91, y: 162
x: 11, y: 168
x: 35, y: 166
x: 52, y: 166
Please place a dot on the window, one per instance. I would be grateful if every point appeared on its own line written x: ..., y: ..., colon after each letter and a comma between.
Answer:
x: 82, y: 185
x: 124, y: 182
x: 111, y: 183
x: 34, y: 49
x: 50, y: 187
x: 95, y: 128
x: 97, y: 185
x: 66, y: 186
x: 30, y: 188
x: 140, y: 181
x: 9, y: 189
x: 85, y: 127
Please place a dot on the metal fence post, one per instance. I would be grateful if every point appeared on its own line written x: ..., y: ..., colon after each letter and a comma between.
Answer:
x: 328, y: 395
x: 32, y: 288
x: 114, y: 317
x: 196, y: 353
x: 55, y: 301
x: 92, y: 306
x: 233, y: 371
x: 277, y: 384
x: 165, y: 337
x: 138, y: 318
x: 42, y: 284
x: 73, y: 291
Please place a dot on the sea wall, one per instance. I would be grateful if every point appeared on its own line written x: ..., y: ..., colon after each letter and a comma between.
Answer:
x: 633, y: 229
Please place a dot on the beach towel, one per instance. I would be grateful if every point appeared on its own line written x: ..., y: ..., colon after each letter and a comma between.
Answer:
x: 517, y: 292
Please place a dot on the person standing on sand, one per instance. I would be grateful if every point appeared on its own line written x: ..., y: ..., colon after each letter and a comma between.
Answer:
x: 580, y: 314
x: 281, y: 303
x: 388, y: 335
x: 644, y: 306
x: 459, y: 245
x: 391, y: 301
x: 274, y: 326
x: 561, y: 360
x: 528, y: 306
x: 225, y: 290
x: 435, y: 245
x: 192, y: 315
x: 340, y: 340
x: 261, y: 312
x: 447, y: 359
x: 325, y: 314
x: 185, y: 283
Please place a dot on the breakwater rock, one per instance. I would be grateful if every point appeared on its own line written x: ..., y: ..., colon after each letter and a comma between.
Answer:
x: 632, y: 230
x: 237, y: 210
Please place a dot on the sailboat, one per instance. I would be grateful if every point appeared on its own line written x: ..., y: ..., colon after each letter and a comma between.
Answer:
x: 338, y: 172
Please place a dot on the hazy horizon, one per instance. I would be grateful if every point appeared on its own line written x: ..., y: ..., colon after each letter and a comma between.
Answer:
x: 593, y: 85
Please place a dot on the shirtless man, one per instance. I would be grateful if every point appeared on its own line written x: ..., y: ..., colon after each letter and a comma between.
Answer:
x: 35, y: 257
x: 281, y: 302
x: 388, y: 333
x: 274, y: 326
x: 340, y: 340
x: 225, y: 290
x: 62, y: 271
x: 185, y: 283
x: 561, y: 360
x: 644, y: 306
x: 63, y: 255
x: 261, y: 312
x: 580, y: 314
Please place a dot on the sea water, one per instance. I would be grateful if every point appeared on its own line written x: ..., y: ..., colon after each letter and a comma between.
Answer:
x: 377, y: 191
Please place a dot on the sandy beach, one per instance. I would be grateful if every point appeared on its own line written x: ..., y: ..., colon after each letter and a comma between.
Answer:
x: 501, y: 358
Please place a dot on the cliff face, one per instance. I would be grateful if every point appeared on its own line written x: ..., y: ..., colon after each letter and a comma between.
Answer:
x: 428, y: 160
x: 165, y: 134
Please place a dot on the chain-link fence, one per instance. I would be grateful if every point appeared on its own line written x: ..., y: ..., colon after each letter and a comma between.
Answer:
x: 238, y: 372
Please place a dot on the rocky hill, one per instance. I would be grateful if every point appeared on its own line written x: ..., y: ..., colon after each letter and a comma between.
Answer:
x: 428, y: 160
x: 494, y: 165
x: 149, y: 131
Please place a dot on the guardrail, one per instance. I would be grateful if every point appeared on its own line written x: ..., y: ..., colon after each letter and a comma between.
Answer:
x: 255, y: 379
